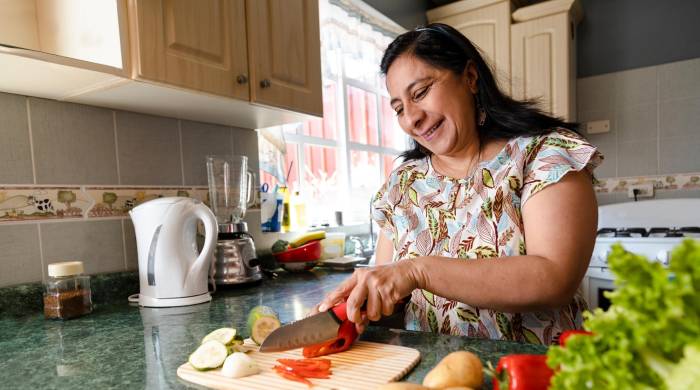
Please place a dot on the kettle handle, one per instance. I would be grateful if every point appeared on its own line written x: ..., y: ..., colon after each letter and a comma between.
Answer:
x: 203, y: 213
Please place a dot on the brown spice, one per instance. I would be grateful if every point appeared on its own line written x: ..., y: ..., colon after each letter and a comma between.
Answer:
x: 67, y: 304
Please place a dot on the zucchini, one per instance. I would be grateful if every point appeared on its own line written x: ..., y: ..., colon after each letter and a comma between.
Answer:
x: 209, y: 355
x: 262, y: 320
x: 225, y: 336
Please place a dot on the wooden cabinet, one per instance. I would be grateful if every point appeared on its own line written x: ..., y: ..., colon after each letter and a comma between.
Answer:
x: 543, y: 55
x: 244, y: 63
x: 198, y: 45
x: 487, y: 24
x: 267, y: 51
x: 284, y: 54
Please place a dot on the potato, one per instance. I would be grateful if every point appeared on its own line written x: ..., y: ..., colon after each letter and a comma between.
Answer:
x: 402, y: 386
x: 457, y: 369
x: 458, y: 388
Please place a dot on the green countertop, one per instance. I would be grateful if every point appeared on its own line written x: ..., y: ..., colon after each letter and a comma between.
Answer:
x: 123, y: 346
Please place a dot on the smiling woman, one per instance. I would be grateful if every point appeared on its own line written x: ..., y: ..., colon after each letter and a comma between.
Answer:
x: 489, y: 223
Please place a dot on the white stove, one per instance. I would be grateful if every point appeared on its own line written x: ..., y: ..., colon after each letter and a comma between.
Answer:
x: 651, y: 228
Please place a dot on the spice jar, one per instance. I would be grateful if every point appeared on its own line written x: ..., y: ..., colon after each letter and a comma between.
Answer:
x: 67, y: 291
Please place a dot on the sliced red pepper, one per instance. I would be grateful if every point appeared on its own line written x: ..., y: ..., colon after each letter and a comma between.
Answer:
x: 308, y: 368
x: 281, y: 371
x: 312, y: 364
x: 347, y: 334
x: 307, y: 373
x: 566, y: 334
x: 522, y: 372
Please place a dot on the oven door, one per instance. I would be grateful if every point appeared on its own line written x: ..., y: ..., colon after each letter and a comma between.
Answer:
x: 598, y: 280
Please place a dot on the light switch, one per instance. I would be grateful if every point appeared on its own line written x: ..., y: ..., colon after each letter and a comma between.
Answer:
x: 597, y: 127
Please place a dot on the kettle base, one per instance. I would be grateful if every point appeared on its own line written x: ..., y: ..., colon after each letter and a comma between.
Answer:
x: 147, y: 301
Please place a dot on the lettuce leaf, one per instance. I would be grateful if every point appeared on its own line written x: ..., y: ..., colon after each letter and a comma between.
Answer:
x: 654, y: 310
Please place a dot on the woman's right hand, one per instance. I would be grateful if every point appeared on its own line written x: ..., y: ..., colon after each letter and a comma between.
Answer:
x: 381, y: 287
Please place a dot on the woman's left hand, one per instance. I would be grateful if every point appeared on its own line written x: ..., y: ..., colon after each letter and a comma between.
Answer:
x: 381, y: 286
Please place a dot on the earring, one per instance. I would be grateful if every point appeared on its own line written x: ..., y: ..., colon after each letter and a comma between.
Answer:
x: 480, y: 110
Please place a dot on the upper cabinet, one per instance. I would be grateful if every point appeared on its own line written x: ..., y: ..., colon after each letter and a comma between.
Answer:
x: 252, y: 64
x: 84, y: 30
x: 198, y: 45
x: 544, y: 55
x: 284, y: 54
x: 487, y: 24
x: 532, y: 49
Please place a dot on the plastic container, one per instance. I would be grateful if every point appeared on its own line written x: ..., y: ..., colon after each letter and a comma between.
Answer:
x: 67, y: 291
x: 333, y: 245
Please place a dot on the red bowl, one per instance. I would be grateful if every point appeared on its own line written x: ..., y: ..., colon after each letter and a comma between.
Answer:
x: 311, y: 251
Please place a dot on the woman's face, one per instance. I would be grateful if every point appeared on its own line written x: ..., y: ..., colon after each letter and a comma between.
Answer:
x: 434, y: 106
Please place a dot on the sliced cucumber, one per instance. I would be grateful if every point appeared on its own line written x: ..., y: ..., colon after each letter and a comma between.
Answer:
x: 225, y: 336
x: 262, y: 320
x: 209, y: 355
x: 238, y: 365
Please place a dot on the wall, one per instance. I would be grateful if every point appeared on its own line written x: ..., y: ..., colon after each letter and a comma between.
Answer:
x: 408, y: 14
x: 70, y: 172
x: 613, y: 35
x: 628, y: 34
x: 654, y: 115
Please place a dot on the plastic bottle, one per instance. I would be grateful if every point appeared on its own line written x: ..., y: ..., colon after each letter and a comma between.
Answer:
x: 286, y: 216
x: 298, y: 206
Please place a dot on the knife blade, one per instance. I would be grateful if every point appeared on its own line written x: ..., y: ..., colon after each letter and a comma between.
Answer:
x: 311, y: 330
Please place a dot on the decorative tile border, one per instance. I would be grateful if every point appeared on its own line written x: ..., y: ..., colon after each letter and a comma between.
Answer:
x: 26, y: 203
x: 675, y: 181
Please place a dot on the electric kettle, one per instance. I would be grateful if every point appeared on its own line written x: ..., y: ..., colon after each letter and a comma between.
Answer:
x: 171, y: 271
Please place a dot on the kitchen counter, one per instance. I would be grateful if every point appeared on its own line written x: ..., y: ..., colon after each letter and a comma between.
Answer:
x: 124, y: 346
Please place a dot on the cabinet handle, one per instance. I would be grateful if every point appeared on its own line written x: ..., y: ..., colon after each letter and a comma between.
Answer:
x: 241, y: 79
x: 265, y: 83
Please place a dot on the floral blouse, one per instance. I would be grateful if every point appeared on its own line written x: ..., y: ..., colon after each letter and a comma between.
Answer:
x: 427, y: 214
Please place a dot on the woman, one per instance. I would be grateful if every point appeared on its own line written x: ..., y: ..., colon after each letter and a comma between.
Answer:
x: 490, y: 222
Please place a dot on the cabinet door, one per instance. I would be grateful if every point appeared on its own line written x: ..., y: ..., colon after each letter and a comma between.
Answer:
x: 543, y: 63
x: 198, y: 45
x: 487, y: 25
x: 284, y: 52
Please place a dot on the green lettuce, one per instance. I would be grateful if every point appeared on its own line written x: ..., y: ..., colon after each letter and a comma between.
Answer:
x: 655, y: 314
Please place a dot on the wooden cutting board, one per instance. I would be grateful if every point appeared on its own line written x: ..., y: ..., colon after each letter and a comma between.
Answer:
x: 364, y: 366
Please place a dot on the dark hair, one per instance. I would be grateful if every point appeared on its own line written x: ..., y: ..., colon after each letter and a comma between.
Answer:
x: 446, y: 48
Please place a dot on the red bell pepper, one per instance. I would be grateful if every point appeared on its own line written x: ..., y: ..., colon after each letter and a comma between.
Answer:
x: 308, y: 368
x: 522, y: 372
x: 566, y: 334
x: 309, y: 364
x: 284, y: 373
x: 347, y: 334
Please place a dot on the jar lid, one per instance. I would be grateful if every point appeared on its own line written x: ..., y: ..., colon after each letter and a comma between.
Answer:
x: 66, y: 268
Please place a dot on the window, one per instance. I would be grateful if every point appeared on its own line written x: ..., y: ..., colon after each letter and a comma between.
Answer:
x: 338, y: 163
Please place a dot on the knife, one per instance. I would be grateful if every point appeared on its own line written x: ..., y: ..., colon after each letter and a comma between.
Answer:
x: 308, y: 331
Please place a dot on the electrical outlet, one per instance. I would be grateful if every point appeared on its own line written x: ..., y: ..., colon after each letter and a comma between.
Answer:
x: 597, y: 127
x: 644, y: 190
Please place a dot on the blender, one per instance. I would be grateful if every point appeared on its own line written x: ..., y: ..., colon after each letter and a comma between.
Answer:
x: 230, y: 189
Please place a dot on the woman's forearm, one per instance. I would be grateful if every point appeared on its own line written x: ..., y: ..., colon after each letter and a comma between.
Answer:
x: 509, y: 284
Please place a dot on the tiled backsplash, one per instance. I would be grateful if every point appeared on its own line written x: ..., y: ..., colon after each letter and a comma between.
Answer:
x: 654, y: 115
x: 69, y: 173
x: 654, y: 136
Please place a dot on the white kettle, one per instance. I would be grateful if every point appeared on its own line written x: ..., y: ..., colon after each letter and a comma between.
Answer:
x: 171, y: 272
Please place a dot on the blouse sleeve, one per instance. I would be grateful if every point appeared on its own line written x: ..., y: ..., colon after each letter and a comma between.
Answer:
x: 382, y: 210
x: 554, y: 155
